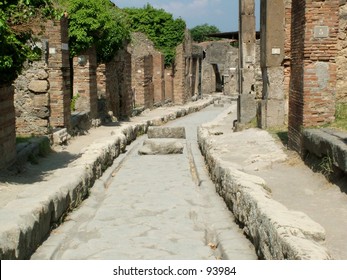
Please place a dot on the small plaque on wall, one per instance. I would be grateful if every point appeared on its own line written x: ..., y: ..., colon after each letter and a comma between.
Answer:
x: 321, y: 32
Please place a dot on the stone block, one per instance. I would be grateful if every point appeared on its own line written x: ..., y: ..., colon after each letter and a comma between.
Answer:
x: 248, y: 108
x: 327, y: 142
x: 41, y: 100
x: 161, y: 147
x: 166, y: 132
x: 38, y: 86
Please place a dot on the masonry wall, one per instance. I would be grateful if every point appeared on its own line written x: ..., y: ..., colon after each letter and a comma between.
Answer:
x: 183, y: 71
x: 158, y: 78
x: 42, y: 91
x: 7, y: 127
x: 85, y: 83
x: 313, y: 68
x: 169, y: 84
x: 341, y: 59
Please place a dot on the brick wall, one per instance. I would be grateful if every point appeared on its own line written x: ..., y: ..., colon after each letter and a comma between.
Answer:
x: 114, y: 86
x: 85, y: 83
x: 59, y: 73
x: 147, y: 70
x: 143, y: 81
x: 313, y: 68
x: 7, y: 127
x: 287, y: 53
x: 183, y: 71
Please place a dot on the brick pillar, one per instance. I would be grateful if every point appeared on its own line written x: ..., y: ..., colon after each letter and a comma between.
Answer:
x: 313, y: 68
x: 7, y: 127
x: 272, y: 55
x: 59, y: 73
x: 85, y: 83
x: 143, y: 81
x: 247, y: 105
x: 158, y: 78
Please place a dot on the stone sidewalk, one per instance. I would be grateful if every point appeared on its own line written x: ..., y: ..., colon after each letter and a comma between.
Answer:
x: 35, y: 202
x: 288, y: 211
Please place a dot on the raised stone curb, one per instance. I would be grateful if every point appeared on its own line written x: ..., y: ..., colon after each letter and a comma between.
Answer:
x: 327, y: 143
x: 276, y: 232
x: 28, y: 220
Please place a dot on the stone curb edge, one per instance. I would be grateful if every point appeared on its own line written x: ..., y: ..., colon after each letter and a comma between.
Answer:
x: 276, y: 232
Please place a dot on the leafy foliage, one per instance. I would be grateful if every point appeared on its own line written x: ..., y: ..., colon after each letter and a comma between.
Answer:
x: 200, y: 32
x: 98, y: 23
x: 15, y: 19
x: 160, y: 27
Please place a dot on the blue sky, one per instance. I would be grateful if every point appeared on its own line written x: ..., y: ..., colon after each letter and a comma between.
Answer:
x: 221, y: 13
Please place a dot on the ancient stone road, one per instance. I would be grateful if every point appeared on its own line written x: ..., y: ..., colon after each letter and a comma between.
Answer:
x: 152, y: 207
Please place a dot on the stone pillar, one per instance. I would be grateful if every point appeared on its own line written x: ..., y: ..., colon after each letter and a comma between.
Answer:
x: 313, y: 68
x: 247, y: 105
x: 7, y: 127
x: 59, y: 73
x: 158, y: 78
x: 272, y: 54
x: 85, y: 83
x: 168, y: 84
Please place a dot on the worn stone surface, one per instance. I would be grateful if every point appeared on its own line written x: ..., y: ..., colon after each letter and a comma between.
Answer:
x: 166, y: 132
x: 64, y: 181
x: 276, y: 232
x: 327, y: 143
x: 146, y: 209
x: 38, y: 86
x: 161, y: 147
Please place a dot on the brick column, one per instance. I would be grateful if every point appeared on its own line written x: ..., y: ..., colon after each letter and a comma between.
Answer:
x: 59, y: 73
x: 247, y: 105
x: 85, y: 83
x: 313, y: 68
x: 7, y: 127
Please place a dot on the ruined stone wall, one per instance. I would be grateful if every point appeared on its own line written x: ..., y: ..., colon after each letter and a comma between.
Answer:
x: 143, y: 52
x: 183, y: 68
x: 221, y: 57
x: 42, y: 91
x: 208, y: 78
x: 85, y: 83
x: 32, y: 100
x: 341, y: 59
x: 313, y: 68
x: 7, y: 127
x: 114, y: 87
x: 158, y: 78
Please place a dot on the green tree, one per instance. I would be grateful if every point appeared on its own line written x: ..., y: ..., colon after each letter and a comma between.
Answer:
x: 200, y: 32
x: 15, y: 19
x: 160, y: 27
x: 95, y: 23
